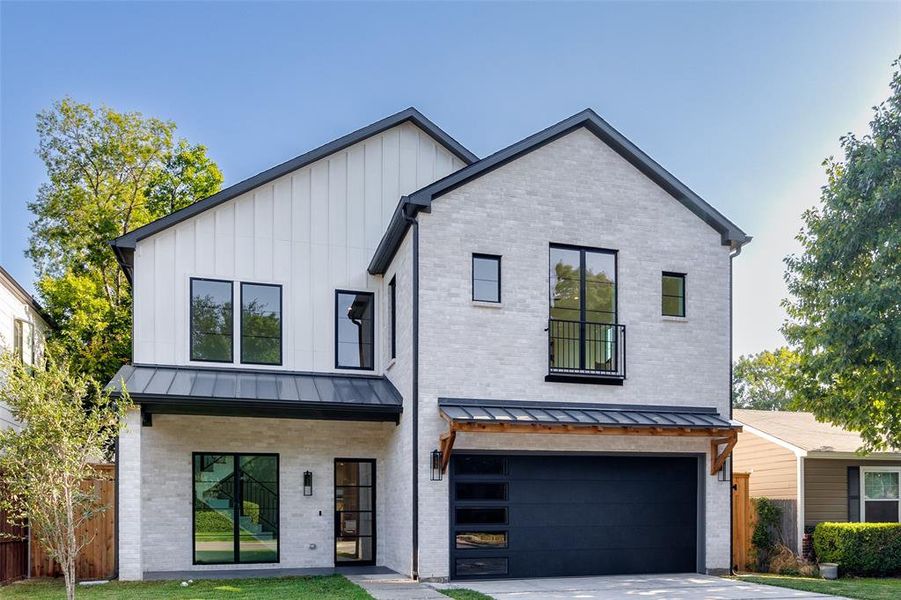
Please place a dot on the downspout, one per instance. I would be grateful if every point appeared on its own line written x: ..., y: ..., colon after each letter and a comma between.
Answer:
x: 411, y: 220
x: 736, y: 250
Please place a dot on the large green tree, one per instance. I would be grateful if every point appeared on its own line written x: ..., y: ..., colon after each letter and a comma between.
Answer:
x: 844, y: 313
x: 107, y: 173
x: 758, y: 380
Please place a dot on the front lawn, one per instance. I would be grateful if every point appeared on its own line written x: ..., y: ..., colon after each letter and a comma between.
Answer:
x: 464, y: 594
x: 865, y: 588
x: 332, y: 587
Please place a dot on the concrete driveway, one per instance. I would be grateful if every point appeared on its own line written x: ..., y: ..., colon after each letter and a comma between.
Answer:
x: 656, y: 587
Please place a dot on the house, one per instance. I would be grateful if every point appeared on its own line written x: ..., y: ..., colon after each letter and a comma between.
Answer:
x: 814, y: 469
x: 23, y: 327
x: 390, y: 352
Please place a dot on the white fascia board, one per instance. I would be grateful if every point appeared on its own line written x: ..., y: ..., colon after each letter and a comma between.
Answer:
x: 771, y: 438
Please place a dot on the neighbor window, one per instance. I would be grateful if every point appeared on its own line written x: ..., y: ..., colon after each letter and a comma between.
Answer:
x: 392, y: 298
x: 880, y: 495
x: 236, y: 508
x: 354, y: 330
x: 261, y: 324
x: 23, y: 341
x: 486, y: 278
x: 212, y: 317
x: 673, y: 294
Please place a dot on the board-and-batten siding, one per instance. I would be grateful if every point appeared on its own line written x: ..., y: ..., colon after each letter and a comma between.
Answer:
x: 773, y: 468
x: 312, y: 231
x: 826, y: 487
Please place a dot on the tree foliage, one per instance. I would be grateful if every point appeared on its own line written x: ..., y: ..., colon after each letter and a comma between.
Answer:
x: 759, y: 380
x: 108, y: 173
x: 67, y: 422
x: 845, y: 306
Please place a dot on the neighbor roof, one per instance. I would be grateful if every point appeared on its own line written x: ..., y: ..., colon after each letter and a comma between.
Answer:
x: 422, y: 199
x: 800, y: 429
x: 124, y: 245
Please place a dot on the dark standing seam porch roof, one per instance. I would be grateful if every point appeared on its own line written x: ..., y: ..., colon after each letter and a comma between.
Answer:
x: 165, y: 389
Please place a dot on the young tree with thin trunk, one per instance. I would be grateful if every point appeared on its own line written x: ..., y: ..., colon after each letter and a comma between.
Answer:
x: 68, y: 422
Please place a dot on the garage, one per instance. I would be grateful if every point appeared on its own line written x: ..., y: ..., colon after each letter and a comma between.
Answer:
x: 553, y: 515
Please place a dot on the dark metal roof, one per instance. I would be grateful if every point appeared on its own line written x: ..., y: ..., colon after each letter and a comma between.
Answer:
x: 200, y: 390
x: 124, y: 245
x: 422, y: 199
x: 607, y: 415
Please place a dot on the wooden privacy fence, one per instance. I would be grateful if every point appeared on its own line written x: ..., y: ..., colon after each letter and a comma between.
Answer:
x: 13, y: 551
x: 742, y: 521
x: 97, y: 560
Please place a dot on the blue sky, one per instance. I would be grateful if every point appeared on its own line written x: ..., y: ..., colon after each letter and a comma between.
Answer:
x: 742, y: 101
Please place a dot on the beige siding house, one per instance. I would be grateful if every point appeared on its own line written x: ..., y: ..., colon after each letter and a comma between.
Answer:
x: 815, y: 467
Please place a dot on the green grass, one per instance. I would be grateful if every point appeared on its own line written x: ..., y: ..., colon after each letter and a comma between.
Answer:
x: 463, y: 594
x: 332, y: 587
x: 864, y: 588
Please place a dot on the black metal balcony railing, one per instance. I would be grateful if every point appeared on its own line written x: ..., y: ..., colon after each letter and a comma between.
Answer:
x: 586, y: 348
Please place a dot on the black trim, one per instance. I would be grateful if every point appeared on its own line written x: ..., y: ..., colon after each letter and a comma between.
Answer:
x: 591, y: 379
x: 231, y: 285
x: 392, y: 297
x: 496, y: 258
x: 355, y: 563
x: 853, y: 479
x: 336, y: 411
x: 281, y: 323
x: 238, y: 502
x: 684, y: 295
x: 422, y: 199
x: 371, y: 326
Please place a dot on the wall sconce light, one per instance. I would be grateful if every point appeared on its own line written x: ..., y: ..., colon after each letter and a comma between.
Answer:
x: 437, y: 474
x: 725, y: 473
x: 307, y: 483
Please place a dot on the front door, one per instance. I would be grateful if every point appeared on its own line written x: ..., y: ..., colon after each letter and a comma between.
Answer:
x: 354, y: 511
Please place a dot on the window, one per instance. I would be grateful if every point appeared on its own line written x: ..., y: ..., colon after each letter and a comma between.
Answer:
x: 486, y: 278
x: 261, y: 324
x: 480, y: 540
x: 236, y: 508
x: 212, y: 318
x: 392, y: 298
x: 23, y: 341
x: 673, y: 294
x: 880, y: 501
x: 354, y: 330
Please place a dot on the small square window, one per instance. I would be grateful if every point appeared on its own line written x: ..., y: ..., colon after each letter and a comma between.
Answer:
x: 486, y: 278
x: 673, y: 294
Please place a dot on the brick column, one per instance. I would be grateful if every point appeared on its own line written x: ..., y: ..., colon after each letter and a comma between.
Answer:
x: 129, y: 517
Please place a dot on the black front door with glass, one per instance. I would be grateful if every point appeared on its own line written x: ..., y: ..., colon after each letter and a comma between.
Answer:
x: 354, y: 511
x: 236, y: 512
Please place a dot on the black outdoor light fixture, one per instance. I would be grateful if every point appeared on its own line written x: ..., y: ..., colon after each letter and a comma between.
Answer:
x: 307, y: 483
x: 725, y: 472
x: 437, y: 475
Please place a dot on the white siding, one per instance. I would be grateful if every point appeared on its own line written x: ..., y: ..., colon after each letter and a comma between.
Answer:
x: 312, y: 231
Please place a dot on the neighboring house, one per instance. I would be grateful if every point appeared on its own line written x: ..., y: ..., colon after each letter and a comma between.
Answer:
x: 815, y: 468
x: 388, y: 352
x: 23, y: 326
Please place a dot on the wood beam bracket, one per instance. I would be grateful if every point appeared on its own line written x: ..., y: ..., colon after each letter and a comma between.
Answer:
x: 718, y: 457
x: 446, y: 446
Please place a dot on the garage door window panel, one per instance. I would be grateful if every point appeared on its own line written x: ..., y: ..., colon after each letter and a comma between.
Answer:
x: 481, y: 540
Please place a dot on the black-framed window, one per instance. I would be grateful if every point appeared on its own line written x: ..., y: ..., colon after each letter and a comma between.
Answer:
x: 212, y: 320
x: 261, y: 324
x: 354, y: 330
x: 582, y: 284
x: 486, y: 278
x: 236, y: 508
x: 392, y: 298
x: 673, y: 297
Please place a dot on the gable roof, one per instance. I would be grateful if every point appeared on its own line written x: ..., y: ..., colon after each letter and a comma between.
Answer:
x: 17, y: 290
x: 422, y: 199
x: 123, y: 246
x: 801, y: 430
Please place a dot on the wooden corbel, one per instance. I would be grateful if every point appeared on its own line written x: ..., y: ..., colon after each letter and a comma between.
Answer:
x: 718, y: 457
x: 446, y: 445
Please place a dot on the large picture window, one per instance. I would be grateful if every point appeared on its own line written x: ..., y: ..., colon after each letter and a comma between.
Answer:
x: 236, y: 511
x: 880, y: 498
x: 354, y: 330
x: 212, y: 320
x: 261, y: 324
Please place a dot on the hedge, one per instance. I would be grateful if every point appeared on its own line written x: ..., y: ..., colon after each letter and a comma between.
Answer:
x: 212, y: 521
x: 860, y: 548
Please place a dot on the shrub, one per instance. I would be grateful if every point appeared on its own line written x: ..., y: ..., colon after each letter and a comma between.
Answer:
x: 786, y: 562
x: 765, y: 538
x: 860, y: 548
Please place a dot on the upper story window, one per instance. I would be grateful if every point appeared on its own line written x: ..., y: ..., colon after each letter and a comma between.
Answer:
x: 261, y: 324
x: 23, y: 341
x: 354, y: 330
x: 212, y: 319
x: 486, y: 278
x: 392, y: 298
x: 673, y: 294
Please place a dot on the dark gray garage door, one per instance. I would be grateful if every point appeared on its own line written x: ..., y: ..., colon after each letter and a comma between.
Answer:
x: 554, y: 516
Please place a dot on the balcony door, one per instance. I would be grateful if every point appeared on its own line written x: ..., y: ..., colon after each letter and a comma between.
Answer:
x: 354, y: 511
x: 582, y: 326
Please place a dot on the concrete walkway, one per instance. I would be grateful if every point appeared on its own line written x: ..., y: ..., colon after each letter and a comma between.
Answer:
x: 396, y: 587
x: 617, y: 587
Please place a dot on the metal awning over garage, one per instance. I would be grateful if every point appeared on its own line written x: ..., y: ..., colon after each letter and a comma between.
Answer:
x: 164, y: 389
x: 506, y: 416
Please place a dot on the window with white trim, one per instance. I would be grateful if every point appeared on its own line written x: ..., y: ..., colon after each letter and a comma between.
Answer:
x: 23, y: 341
x: 879, y: 494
